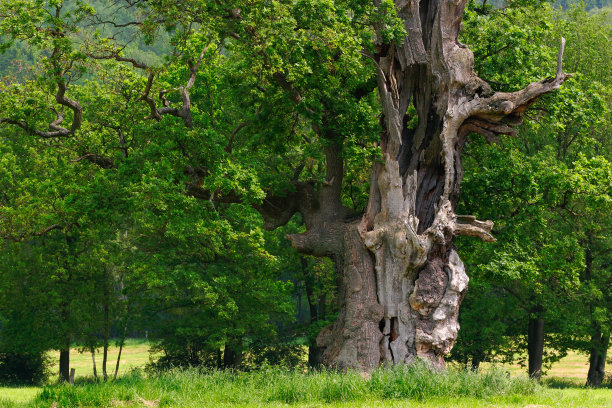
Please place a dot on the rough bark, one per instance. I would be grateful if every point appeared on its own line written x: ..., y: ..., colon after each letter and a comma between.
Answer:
x: 353, y: 341
x: 400, y: 301
x: 535, y: 346
x: 400, y: 279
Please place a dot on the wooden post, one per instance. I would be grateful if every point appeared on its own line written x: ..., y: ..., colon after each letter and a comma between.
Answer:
x: 72, y: 370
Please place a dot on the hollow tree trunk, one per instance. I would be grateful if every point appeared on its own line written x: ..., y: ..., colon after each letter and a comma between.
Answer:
x: 400, y: 280
x: 410, y: 224
x: 535, y: 346
x: 597, y: 361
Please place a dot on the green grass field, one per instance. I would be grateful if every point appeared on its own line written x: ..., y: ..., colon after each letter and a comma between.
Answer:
x: 135, y: 354
x: 573, y: 367
x: 277, y: 388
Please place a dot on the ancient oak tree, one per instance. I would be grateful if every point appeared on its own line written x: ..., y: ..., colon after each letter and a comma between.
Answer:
x: 400, y: 280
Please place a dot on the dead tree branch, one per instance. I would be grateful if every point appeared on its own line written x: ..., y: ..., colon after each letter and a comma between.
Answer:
x: 497, y: 114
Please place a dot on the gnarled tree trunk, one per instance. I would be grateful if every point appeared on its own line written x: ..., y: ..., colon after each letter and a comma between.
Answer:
x: 400, y: 279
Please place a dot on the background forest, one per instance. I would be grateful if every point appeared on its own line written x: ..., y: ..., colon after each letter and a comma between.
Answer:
x: 145, y: 222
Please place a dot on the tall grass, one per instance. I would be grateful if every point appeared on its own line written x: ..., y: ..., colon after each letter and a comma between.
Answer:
x: 274, y: 385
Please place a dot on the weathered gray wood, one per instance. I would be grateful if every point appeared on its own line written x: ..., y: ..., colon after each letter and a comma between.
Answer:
x: 410, y: 223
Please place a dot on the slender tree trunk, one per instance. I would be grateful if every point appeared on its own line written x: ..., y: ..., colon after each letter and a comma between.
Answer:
x: 64, y: 360
x: 600, y: 339
x: 105, y: 345
x: 299, y: 306
x: 64, y: 363
x: 312, y: 303
x: 314, y: 352
x: 232, y: 355
x: 121, y: 343
x: 309, y: 287
x: 597, y: 361
x: 321, y: 306
x: 535, y: 346
x: 400, y: 280
x: 477, y: 358
x: 106, y: 330
x: 93, y: 360
x: 118, y: 360
x: 219, y: 359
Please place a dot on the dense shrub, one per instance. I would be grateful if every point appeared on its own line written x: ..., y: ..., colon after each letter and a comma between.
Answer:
x: 190, y: 355
x: 261, y: 354
x: 23, y: 368
x: 256, y: 355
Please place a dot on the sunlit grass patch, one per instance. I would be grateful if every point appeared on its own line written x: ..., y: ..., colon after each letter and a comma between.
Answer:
x: 135, y: 354
x: 15, y: 396
x: 276, y: 385
x: 400, y: 386
x: 408, y: 386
